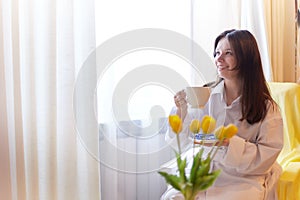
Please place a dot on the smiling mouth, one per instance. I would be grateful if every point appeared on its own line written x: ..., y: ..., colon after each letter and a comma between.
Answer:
x: 222, y: 68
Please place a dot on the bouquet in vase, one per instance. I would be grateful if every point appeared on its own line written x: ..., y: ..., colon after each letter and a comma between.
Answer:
x: 200, y: 177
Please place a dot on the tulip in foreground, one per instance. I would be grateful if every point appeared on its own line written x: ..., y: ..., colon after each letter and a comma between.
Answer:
x: 208, y: 124
x: 201, y: 177
x: 176, y: 125
x: 227, y: 132
x: 195, y: 126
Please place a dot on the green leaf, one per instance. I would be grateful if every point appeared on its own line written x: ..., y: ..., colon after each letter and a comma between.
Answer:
x: 178, y: 159
x: 207, y: 160
x: 195, y: 166
x: 202, y: 183
x: 182, y: 170
x: 203, y: 169
x: 181, y: 164
x: 173, y: 180
x: 200, y: 177
x: 188, y: 193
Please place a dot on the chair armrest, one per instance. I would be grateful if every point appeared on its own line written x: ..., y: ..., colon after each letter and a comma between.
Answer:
x: 289, y: 182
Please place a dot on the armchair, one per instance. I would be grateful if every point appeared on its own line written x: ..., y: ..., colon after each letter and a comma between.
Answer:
x: 287, y: 96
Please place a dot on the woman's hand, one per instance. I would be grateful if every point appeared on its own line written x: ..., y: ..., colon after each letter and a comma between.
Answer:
x: 224, y: 143
x: 181, y: 103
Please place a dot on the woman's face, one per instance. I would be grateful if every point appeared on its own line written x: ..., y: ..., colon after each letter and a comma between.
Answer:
x: 225, y: 60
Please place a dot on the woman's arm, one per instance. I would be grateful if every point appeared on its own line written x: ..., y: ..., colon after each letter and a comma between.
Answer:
x: 256, y: 158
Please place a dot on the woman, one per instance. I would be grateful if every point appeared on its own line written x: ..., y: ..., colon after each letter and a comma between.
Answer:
x: 240, y: 96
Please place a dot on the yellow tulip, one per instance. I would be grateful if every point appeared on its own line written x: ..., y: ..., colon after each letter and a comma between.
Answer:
x: 219, y: 133
x: 208, y: 124
x: 175, y: 123
x: 195, y: 126
x: 230, y: 131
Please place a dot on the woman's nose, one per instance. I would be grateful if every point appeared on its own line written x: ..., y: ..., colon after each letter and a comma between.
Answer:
x: 219, y: 57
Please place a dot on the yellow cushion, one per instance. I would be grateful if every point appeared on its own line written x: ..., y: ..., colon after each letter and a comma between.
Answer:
x: 287, y: 96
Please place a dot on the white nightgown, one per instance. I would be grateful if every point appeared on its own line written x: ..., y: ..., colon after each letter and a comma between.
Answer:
x: 248, y: 164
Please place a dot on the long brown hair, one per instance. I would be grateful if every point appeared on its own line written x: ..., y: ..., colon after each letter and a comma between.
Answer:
x: 255, y: 92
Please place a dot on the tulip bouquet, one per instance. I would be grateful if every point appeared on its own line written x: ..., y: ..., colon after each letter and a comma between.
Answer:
x: 201, y: 177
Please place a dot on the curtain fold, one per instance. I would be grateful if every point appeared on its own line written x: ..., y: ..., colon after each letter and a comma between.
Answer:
x: 280, y: 23
x: 44, y: 46
x: 253, y: 19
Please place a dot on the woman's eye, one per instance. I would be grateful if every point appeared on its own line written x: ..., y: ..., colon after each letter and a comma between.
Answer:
x: 228, y: 53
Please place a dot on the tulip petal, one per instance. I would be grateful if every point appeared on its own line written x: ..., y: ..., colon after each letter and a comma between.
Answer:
x: 195, y: 126
x: 219, y: 133
x: 208, y: 124
x: 230, y: 131
x: 175, y: 123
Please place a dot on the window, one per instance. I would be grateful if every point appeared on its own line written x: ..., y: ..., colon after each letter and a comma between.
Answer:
x: 117, y: 17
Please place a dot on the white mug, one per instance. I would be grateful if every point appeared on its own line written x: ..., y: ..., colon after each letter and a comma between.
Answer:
x: 197, y: 96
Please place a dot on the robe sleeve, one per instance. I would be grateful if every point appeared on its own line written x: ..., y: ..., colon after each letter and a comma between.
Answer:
x: 256, y: 158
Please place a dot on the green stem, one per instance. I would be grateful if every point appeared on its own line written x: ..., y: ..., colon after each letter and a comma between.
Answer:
x: 194, y: 145
x: 214, y: 144
x: 178, y: 143
x: 190, y: 196
x: 219, y: 145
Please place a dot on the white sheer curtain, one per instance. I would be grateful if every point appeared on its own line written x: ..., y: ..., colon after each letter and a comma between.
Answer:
x: 145, y: 50
x: 42, y: 156
x: 210, y: 18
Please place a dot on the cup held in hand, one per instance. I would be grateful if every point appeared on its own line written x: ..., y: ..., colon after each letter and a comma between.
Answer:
x: 197, y: 96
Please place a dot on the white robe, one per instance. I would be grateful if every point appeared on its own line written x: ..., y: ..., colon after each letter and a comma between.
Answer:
x: 248, y: 164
